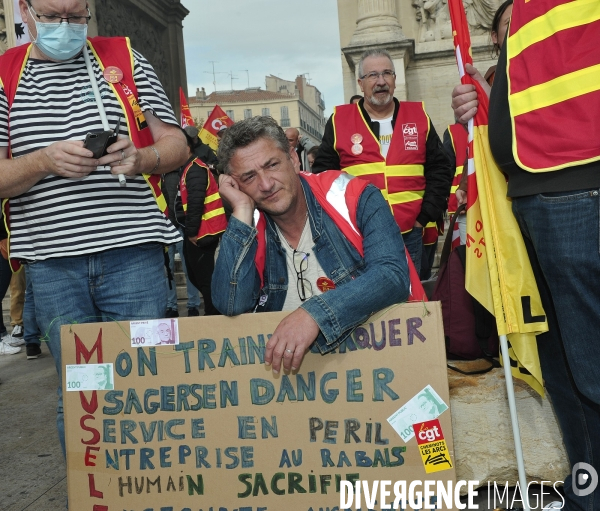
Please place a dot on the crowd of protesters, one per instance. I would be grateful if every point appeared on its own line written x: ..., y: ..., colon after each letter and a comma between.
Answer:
x: 90, y: 227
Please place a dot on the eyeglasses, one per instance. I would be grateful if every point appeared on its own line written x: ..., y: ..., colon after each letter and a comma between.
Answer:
x: 388, y: 74
x: 304, y: 286
x: 55, y: 18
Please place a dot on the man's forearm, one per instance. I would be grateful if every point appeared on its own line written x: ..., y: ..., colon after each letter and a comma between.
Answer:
x: 384, y: 282
x: 235, y: 279
x: 19, y: 175
x: 172, y: 151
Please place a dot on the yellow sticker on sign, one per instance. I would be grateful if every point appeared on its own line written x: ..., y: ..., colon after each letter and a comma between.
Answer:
x: 432, y: 446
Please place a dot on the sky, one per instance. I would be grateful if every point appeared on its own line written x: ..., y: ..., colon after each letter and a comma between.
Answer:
x: 279, y: 37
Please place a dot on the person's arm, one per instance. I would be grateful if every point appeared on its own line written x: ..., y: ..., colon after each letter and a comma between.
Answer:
x: 306, y: 142
x: 235, y: 280
x: 196, y: 182
x: 449, y: 148
x: 385, y: 281
x: 169, y: 151
x: 169, y: 140
x: 438, y: 180
x: 327, y: 157
x: 67, y: 159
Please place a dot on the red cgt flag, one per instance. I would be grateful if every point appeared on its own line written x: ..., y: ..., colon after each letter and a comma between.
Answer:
x: 186, y: 115
x: 215, y: 122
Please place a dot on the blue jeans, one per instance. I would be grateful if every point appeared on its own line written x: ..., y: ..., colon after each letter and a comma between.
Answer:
x: 115, y: 285
x: 413, y: 241
x: 561, y: 232
x: 193, y: 297
x: 31, y: 331
x: 5, y: 276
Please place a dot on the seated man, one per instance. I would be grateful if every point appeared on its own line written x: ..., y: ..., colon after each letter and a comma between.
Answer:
x: 325, y: 247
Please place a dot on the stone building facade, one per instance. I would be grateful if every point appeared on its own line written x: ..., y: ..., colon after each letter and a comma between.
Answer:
x: 418, y: 35
x: 154, y: 26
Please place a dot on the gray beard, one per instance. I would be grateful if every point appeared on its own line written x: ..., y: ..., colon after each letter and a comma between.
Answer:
x: 380, y: 102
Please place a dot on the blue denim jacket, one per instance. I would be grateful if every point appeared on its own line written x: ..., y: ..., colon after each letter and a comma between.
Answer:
x: 363, y: 285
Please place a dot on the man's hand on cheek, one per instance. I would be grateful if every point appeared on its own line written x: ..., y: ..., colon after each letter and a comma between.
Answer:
x: 241, y: 203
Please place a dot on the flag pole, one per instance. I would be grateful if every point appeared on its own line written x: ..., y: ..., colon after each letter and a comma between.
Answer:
x: 510, y: 390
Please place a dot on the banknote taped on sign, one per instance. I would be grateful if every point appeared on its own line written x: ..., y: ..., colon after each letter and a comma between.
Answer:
x: 203, y: 423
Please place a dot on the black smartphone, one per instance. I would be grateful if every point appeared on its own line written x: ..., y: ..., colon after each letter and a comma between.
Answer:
x: 98, y: 142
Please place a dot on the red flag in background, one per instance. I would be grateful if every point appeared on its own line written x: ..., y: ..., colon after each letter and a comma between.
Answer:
x: 186, y: 115
x: 215, y: 122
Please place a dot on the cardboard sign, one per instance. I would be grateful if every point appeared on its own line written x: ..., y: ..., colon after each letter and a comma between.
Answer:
x: 205, y: 425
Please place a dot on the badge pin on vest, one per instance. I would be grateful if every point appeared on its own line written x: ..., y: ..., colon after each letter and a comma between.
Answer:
x: 324, y: 284
x: 357, y: 149
x: 112, y: 74
x: 357, y: 138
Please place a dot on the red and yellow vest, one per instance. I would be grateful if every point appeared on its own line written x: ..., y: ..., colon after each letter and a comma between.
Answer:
x: 400, y: 176
x: 213, y: 218
x: 460, y: 143
x: 109, y: 51
x: 554, y: 106
x: 341, y: 208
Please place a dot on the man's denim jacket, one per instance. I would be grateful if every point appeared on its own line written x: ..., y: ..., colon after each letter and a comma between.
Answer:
x: 364, y: 285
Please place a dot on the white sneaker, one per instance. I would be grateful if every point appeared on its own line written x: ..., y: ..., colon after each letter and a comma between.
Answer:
x: 16, y: 337
x: 13, y: 341
x: 7, y: 349
x: 557, y: 504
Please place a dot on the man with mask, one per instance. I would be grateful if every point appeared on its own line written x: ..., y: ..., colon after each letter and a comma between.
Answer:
x: 93, y: 245
x: 394, y: 146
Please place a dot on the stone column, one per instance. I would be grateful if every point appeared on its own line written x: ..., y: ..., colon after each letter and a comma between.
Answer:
x: 377, y: 22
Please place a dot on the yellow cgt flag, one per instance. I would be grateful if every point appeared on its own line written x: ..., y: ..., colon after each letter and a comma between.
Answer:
x: 499, y: 273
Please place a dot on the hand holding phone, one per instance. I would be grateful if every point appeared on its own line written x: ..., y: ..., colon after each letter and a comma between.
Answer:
x: 99, y: 141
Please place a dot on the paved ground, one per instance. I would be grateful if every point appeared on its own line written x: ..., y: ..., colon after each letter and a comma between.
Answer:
x: 32, y: 468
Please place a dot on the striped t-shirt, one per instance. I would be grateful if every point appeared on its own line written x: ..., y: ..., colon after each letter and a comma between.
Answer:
x: 60, y: 217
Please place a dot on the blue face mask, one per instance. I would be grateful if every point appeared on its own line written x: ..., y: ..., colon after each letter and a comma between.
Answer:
x: 60, y: 41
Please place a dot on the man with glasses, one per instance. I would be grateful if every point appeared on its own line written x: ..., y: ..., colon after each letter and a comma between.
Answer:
x: 394, y: 146
x: 93, y: 245
x: 323, y: 246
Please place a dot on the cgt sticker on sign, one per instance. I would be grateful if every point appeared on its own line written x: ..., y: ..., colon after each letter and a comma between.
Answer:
x: 432, y: 446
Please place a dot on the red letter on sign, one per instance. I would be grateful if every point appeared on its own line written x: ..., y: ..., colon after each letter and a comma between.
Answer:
x: 89, y: 456
x: 93, y: 491
x: 97, y: 507
x: 80, y: 349
x: 91, y: 406
x: 95, y: 433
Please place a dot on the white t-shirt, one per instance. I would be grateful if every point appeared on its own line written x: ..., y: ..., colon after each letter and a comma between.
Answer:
x: 310, y: 275
x: 385, y: 134
x: 60, y: 217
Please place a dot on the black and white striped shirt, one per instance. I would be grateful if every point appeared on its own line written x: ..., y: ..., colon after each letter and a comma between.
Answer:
x: 61, y: 217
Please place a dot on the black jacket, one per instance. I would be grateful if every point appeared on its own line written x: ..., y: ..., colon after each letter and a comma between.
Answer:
x: 438, y: 170
x: 206, y: 154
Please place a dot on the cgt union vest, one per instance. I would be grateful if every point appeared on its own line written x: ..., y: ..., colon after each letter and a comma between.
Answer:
x: 400, y: 176
x: 554, y: 107
x: 213, y: 218
x: 338, y: 194
x: 460, y: 142
x: 108, y: 51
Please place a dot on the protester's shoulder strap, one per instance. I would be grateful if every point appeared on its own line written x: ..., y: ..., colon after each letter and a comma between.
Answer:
x: 114, y: 51
x: 12, y: 64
